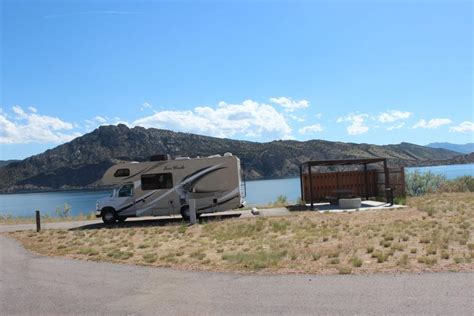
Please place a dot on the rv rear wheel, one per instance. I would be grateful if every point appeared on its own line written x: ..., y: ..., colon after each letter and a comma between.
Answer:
x: 109, y: 216
x: 185, y: 213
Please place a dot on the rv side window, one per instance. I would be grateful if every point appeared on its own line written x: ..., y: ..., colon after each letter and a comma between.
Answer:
x: 157, y: 181
x: 122, y: 173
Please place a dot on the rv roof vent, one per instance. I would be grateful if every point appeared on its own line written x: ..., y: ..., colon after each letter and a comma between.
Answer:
x: 227, y: 154
x: 214, y: 156
x: 182, y: 158
x: 161, y: 157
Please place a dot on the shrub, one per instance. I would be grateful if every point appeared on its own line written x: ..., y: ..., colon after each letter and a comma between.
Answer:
x: 65, y: 211
x: 460, y: 184
x: 149, y: 257
x: 400, y: 200
x: 333, y: 261
x: 403, y: 261
x: 429, y: 261
x: 356, y: 262
x: 344, y: 270
x: 379, y: 255
x: 281, y: 200
x: 420, y: 183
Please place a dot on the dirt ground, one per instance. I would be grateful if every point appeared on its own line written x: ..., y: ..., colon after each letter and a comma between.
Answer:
x: 433, y: 234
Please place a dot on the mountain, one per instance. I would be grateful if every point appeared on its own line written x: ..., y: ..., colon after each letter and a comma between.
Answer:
x: 81, y: 162
x: 6, y: 162
x: 460, y: 148
x: 457, y: 160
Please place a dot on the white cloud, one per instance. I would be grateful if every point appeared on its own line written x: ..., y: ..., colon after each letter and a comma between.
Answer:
x: 33, y: 128
x: 464, y: 127
x: 357, y: 125
x: 145, y: 105
x: 433, y: 123
x: 18, y: 111
x: 396, y: 126
x: 310, y: 129
x: 392, y: 116
x: 32, y: 109
x: 289, y: 104
x: 318, y: 115
x: 250, y: 119
x: 100, y: 119
x: 297, y: 118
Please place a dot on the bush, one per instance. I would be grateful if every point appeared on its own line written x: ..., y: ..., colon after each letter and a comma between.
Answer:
x: 421, y: 183
x: 281, y: 200
x: 356, y: 262
x: 65, y: 211
x: 460, y: 184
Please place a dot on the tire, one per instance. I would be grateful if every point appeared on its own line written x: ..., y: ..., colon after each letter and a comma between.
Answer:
x: 109, y: 216
x: 185, y: 214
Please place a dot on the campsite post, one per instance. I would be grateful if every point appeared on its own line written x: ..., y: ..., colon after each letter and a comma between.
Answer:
x: 38, y: 221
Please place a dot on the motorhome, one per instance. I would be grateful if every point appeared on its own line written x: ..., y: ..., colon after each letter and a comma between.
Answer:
x: 164, y: 187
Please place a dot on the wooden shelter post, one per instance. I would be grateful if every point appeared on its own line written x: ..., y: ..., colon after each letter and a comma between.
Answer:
x: 310, y: 186
x: 301, y: 184
x: 366, y: 182
x: 387, y: 180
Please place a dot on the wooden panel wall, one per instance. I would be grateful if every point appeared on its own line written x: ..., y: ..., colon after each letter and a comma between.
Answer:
x: 325, y: 184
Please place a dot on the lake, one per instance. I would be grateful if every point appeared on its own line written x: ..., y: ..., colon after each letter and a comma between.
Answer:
x: 258, y: 192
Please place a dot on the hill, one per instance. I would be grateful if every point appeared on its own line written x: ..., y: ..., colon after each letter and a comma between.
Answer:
x: 6, y: 162
x: 460, y: 148
x: 81, y: 162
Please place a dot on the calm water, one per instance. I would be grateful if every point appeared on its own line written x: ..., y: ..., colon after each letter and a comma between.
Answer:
x: 450, y: 172
x: 258, y: 192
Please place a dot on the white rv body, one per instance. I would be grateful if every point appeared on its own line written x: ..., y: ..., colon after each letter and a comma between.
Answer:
x: 159, y: 188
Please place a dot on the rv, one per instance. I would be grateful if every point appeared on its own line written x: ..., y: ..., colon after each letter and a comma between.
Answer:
x: 164, y: 187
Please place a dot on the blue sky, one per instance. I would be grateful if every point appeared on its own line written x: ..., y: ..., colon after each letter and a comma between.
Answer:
x: 353, y: 71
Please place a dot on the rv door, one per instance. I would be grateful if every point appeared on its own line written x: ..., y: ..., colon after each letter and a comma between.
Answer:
x: 124, y: 200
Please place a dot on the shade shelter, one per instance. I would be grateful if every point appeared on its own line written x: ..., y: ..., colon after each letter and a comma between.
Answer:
x: 316, y: 186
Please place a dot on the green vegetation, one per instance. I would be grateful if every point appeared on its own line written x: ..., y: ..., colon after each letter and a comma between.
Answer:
x: 64, y: 212
x: 418, y: 184
x: 281, y: 200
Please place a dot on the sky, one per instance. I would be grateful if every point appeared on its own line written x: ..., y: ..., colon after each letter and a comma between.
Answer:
x: 380, y: 72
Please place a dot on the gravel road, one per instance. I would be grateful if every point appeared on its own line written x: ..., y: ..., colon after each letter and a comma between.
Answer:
x: 33, y: 284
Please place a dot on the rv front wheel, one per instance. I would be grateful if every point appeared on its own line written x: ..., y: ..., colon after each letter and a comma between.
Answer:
x: 109, y: 216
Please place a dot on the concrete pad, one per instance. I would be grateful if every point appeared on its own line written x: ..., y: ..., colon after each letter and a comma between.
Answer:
x: 365, y: 206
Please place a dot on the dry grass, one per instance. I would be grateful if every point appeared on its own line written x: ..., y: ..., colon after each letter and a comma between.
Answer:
x: 433, y: 234
x: 14, y: 220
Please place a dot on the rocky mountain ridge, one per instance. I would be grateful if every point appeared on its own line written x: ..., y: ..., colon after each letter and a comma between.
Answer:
x: 81, y: 162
